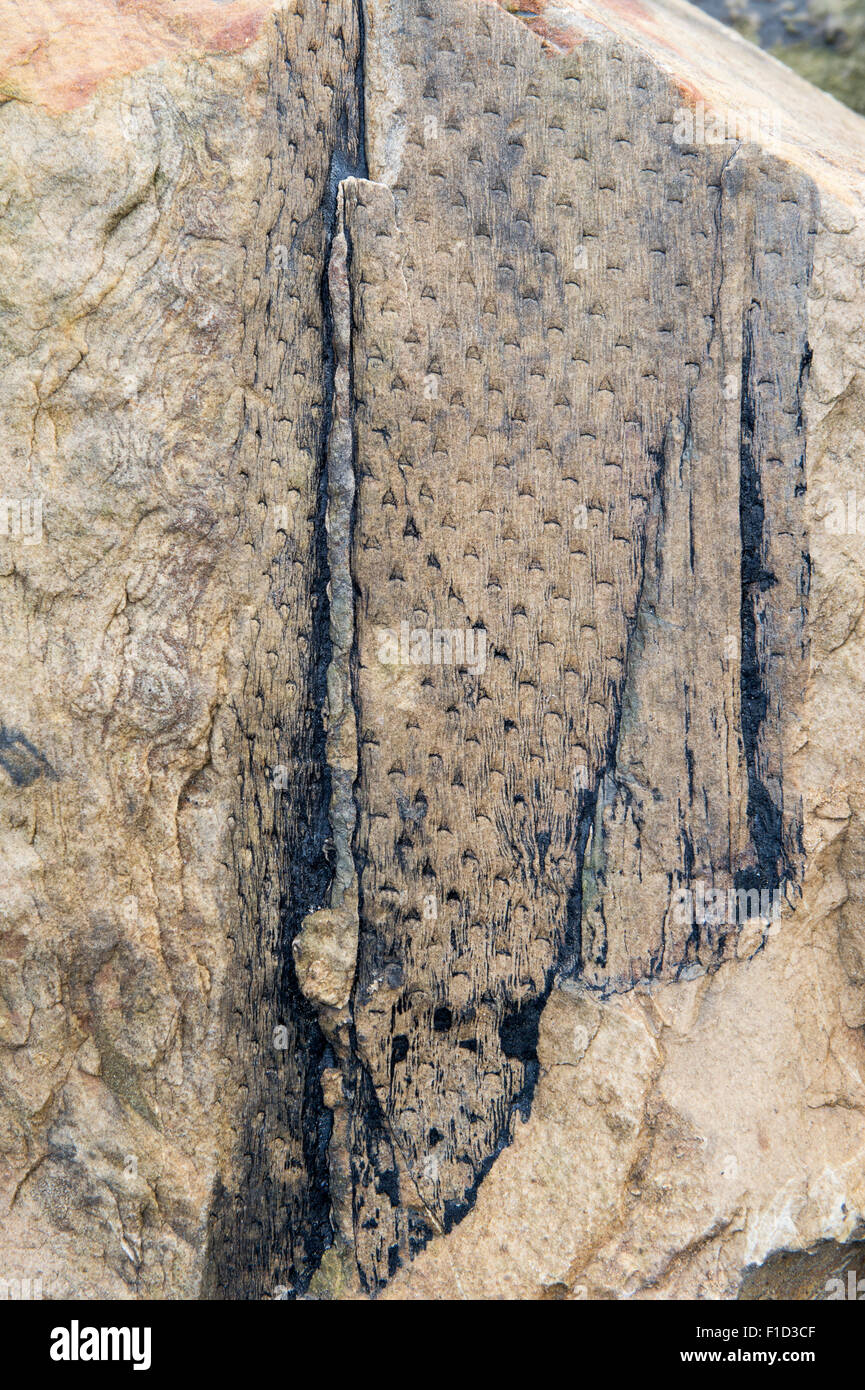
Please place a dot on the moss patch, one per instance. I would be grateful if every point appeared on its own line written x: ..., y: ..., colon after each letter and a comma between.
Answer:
x: 836, y: 69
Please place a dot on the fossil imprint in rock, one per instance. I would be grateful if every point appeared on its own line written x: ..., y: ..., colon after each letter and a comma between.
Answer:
x: 579, y: 432
x: 421, y: 631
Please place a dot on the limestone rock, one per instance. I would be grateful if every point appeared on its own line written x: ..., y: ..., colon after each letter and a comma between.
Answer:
x: 432, y: 581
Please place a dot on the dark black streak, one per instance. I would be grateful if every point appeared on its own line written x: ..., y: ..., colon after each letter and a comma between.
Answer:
x: 21, y: 760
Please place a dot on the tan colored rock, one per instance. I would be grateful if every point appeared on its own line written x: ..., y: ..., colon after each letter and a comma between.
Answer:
x: 57, y: 53
x: 324, y: 964
x: 431, y: 577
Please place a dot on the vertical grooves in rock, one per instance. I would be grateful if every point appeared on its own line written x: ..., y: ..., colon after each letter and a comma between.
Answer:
x: 774, y: 557
x: 335, y: 520
x: 326, y: 949
x: 764, y: 816
x: 273, y: 1211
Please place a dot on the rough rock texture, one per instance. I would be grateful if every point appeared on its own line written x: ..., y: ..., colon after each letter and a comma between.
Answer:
x: 433, y: 596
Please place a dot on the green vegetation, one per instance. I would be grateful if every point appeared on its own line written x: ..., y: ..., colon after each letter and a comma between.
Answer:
x: 835, y: 60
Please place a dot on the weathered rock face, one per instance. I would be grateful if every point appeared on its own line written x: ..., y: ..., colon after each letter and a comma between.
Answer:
x: 433, y: 588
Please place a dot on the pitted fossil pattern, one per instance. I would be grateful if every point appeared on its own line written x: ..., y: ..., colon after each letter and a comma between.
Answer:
x: 544, y: 327
x: 273, y: 1219
x: 718, y: 660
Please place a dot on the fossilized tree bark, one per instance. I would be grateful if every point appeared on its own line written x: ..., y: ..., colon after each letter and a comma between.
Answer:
x: 432, y: 446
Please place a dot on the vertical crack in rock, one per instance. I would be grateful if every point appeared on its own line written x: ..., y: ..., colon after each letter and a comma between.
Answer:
x: 365, y: 1165
x: 775, y: 563
x: 325, y: 951
x: 763, y: 812
x: 326, y: 948
x: 272, y: 1218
